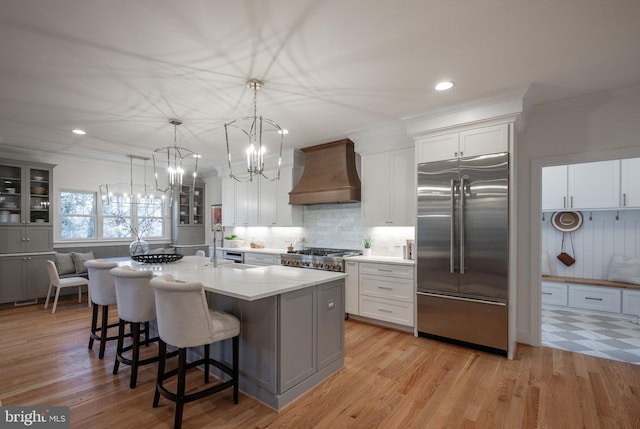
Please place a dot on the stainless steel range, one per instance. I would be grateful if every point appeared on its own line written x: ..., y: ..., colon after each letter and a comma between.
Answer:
x: 318, y: 258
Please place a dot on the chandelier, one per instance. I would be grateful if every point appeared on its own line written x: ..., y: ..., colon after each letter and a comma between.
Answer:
x: 131, y: 193
x: 255, y: 131
x: 171, y: 163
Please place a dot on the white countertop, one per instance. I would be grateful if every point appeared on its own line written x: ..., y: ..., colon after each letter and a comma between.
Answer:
x: 241, y: 281
x: 382, y: 259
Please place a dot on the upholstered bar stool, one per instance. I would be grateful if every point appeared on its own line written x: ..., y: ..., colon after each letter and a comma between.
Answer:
x: 136, y: 306
x: 184, y: 320
x: 103, y: 294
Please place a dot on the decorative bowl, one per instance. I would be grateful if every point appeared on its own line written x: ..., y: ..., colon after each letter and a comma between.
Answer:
x: 38, y: 190
x: 236, y: 243
x: 156, y: 258
x: 38, y: 178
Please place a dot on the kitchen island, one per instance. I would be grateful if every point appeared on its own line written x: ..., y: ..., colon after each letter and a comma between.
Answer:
x: 292, y: 322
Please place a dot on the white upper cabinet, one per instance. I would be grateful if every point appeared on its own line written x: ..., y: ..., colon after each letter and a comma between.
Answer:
x: 594, y: 185
x: 554, y: 187
x: 584, y: 186
x: 630, y: 182
x: 260, y: 202
x: 388, y: 188
x: 477, y: 141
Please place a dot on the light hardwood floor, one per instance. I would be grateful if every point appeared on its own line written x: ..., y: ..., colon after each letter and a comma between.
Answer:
x: 390, y: 380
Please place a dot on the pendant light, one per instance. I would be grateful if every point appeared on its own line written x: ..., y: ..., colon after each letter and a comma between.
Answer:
x: 253, y: 131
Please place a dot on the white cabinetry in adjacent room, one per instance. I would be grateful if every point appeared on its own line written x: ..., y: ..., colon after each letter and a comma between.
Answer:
x: 630, y: 182
x: 589, y: 185
x: 388, y: 188
x: 476, y: 141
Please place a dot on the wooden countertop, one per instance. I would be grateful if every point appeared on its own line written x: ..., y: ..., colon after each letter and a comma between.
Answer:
x: 591, y: 282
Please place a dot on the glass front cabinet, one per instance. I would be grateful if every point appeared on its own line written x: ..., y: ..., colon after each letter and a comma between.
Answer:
x: 188, y: 216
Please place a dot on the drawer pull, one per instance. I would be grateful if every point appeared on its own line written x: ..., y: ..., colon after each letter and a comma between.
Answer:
x: 385, y: 287
x: 593, y: 299
x: 384, y: 310
x: 547, y: 293
x: 386, y: 271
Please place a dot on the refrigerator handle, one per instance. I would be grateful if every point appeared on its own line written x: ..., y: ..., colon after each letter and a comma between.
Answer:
x: 452, y: 266
x: 461, y: 219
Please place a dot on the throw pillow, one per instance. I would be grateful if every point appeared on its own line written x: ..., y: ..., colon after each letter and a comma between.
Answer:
x: 623, y: 269
x: 64, y: 264
x: 79, y: 259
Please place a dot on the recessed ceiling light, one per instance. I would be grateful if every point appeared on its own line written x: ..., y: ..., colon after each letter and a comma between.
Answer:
x: 444, y: 85
x: 78, y: 131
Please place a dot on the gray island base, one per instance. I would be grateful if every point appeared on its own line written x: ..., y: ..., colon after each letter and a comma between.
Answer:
x: 292, y: 323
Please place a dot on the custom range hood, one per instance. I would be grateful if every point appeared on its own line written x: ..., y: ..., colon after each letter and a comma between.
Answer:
x: 329, y: 175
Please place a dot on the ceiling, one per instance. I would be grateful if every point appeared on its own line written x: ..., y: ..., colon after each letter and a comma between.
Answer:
x: 332, y: 68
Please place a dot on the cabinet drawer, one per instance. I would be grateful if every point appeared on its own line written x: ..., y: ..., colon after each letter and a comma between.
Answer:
x: 387, y: 270
x: 258, y: 259
x: 631, y: 302
x: 386, y: 287
x: 388, y: 310
x: 595, y: 298
x: 554, y: 293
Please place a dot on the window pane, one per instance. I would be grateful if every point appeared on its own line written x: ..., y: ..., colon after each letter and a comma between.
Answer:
x: 77, y: 227
x: 150, y: 227
x: 116, y: 227
x: 118, y: 205
x: 77, y: 215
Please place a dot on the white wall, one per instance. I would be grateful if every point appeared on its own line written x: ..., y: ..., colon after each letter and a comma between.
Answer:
x: 591, y: 128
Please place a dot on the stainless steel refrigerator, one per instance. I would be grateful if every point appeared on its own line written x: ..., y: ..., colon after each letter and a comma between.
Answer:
x: 463, y: 251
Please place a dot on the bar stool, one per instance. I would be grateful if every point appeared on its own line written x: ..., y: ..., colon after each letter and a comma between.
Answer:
x: 184, y: 320
x: 103, y: 294
x: 136, y: 306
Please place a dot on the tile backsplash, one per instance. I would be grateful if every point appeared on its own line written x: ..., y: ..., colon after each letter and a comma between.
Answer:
x: 332, y: 225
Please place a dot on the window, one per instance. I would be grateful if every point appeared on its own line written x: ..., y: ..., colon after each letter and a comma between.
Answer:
x: 121, y: 219
x: 77, y: 215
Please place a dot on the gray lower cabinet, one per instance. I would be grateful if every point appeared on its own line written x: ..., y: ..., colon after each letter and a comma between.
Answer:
x: 288, y: 343
x: 23, y: 277
x: 190, y: 234
x: 31, y: 238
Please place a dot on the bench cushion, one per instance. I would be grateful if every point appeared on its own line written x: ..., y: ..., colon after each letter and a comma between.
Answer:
x: 623, y: 269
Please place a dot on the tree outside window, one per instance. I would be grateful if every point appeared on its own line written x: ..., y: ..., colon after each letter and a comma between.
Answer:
x: 77, y: 215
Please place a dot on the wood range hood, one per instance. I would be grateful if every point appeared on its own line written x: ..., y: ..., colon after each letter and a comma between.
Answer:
x: 329, y: 175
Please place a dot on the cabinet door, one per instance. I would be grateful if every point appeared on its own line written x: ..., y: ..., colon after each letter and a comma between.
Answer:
x: 241, y: 199
x: 403, y: 192
x: 630, y: 182
x: 437, y: 148
x: 197, y: 208
x: 330, y: 309
x: 554, y: 187
x: 594, y: 185
x: 351, y: 288
x: 228, y: 202
x: 37, y: 276
x: 38, y: 182
x: 286, y: 214
x: 12, y: 239
x: 267, y: 208
x: 12, y: 272
x: 39, y: 238
x: 376, y: 184
x: 484, y: 140
x: 297, y: 337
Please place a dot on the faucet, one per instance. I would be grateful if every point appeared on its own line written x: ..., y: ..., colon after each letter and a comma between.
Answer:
x: 214, y: 257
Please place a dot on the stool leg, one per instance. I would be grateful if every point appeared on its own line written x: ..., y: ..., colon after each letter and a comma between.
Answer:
x: 119, y: 348
x: 147, y: 333
x: 206, y: 363
x: 236, y: 342
x: 135, y: 354
x: 182, y: 364
x: 94, y: 324
x: 162, y: 359
x: 103, y: 331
